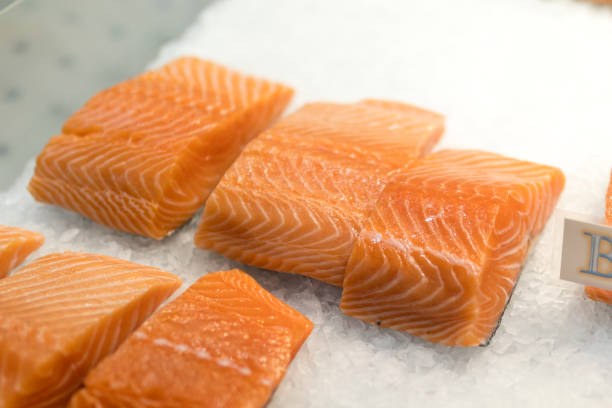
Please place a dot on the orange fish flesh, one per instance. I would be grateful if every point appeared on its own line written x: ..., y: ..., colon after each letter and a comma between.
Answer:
x: 441, y: 251
x: 294, y: 199
x: 64, y: 312
x: 15, y: 246
x: 225, y: 342
x: 143, y: 156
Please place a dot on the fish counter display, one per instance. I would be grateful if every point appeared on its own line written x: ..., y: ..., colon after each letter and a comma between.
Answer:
x: 431, y: 244
x: 376, y: 256
x: 297, y: 197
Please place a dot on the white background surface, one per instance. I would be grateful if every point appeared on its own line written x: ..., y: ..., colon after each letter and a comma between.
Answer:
x: 528, y: 78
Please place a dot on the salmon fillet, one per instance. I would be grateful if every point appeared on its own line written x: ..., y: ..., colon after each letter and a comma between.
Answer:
x: 225, y: 342
x: 442, y: 249
x: 143, y: 156
x: 294, y: 199
x: 15, y: 246
x: 61, y: 314
x: 598, y: 294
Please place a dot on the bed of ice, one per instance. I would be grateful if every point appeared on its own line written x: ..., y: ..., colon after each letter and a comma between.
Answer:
x: 528, y: 78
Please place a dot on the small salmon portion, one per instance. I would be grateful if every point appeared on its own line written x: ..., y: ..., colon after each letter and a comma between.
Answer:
x: 441, y: 251
x: 143, y: 156
x: 225, y: 342
x: 15, y: 246
x: 295, y: 198
x: 598, y: 294
x: 64, y: 312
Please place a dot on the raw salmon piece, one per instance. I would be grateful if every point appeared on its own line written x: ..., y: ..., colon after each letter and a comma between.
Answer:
x: 15, y: 246
x: 440, y: 253
x: 294, y: 199
x: 143, y: 156
x: 64, y: 312
x: 598, y: 294
x: 225, y: 342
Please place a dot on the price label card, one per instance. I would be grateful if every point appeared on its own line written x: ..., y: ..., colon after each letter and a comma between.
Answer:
x: 587, y: 253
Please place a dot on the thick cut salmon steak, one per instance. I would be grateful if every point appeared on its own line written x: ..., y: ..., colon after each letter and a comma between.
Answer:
x: 442, y: 249
x: 598, y: 294
x: 15, y: 246
x: 225, y: 342
x: 143, y: 156
x: 64, y: 312
x: 294, y: 199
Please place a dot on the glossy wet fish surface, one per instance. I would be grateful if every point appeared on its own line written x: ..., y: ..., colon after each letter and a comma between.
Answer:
x: 64, y: 312
x: 225, y: 342
x: 15, y: 246
x: 143, y: 155
x: 441, y: 251
x: 295, y: 198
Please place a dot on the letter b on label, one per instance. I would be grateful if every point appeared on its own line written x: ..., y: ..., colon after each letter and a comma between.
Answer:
x: 600, y: 263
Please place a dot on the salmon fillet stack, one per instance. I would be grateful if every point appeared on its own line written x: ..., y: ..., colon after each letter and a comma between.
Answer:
x: 227, y: 339
x: 64, y: 312
x: 441, y: 251
x: 295, y: 198
x: 143, y: 156
x: 598, y: 294
x: 15, y: 246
